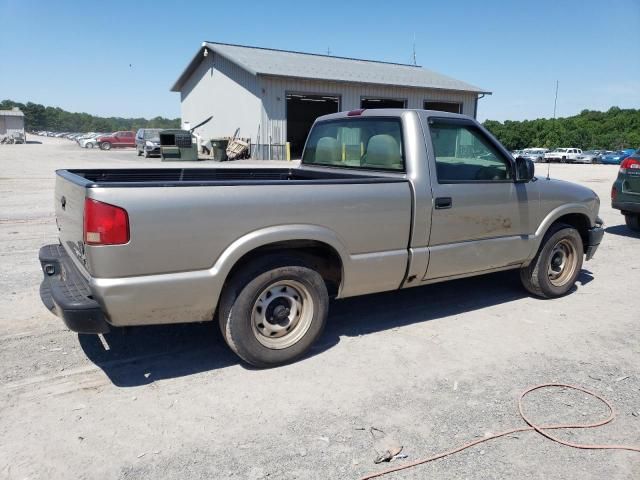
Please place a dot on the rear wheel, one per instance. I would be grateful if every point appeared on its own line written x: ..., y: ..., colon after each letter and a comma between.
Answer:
x: 633, y: 221
x: 556, y: 266
x: 105, y: 146
x: 272, y: 311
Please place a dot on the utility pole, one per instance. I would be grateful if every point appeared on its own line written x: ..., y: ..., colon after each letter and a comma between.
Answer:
x: 555, y: 102
x: 414, y: 49
x: 328, y: 50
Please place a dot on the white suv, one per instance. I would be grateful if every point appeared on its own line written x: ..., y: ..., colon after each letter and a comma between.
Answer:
x: 563, y: 155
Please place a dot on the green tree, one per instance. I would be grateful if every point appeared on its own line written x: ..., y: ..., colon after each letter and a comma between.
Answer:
x: 614, y: 129
x: 39, y: 117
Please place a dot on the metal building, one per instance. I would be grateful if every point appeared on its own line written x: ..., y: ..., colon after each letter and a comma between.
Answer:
x: 11, y: 122
x: 274, y: 96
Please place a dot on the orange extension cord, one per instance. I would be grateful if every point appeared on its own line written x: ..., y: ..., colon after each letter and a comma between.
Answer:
x: 541, y: 429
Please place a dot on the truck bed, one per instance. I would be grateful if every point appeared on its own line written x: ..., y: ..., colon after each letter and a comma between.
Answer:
x: 167, y: 177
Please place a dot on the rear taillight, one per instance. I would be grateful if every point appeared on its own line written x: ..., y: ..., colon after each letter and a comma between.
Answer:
x: 105, y: 224
x: 628, y: 164
x: 614, y: 193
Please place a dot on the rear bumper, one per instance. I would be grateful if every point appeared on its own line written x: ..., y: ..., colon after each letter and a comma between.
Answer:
x: 594, y: 237
x: 633, y: 207
x: 65, y: 292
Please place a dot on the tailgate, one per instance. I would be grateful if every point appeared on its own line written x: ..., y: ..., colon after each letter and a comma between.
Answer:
x: 632, y: 181
x: 69, y: 205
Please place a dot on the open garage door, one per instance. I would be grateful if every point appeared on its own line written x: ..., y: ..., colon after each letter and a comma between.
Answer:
x: 372, y: 102
x: 451, y: 107
x: 302, y: 110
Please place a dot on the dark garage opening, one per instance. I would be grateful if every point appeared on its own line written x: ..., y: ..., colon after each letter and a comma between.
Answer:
x: 451, y: 107
x: 302, y: 110
x: 370, y: 102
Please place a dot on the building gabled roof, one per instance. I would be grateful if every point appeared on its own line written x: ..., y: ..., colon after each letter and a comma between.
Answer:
x: 311, y: 66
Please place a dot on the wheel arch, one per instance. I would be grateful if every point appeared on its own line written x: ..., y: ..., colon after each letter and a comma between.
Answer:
x: 317, y: 246
x: 576, y: 215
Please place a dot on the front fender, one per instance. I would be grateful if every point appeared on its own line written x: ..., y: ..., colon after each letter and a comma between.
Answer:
x: 553, y: 216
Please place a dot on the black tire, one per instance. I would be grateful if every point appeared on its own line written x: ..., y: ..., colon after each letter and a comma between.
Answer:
x: 105, y: 146
x: 633, y: 221
x: 536, y: 276
x: 239, y: 306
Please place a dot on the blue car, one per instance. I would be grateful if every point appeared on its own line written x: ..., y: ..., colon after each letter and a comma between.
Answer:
x: 616, y: 158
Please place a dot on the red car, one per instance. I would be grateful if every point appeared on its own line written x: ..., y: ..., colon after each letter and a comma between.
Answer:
x: 117, y: 140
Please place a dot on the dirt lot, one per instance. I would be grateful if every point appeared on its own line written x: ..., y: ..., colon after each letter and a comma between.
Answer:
x: 432, y: 367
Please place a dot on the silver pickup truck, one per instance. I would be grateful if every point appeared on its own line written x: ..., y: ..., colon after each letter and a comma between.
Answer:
x: 382, y: 200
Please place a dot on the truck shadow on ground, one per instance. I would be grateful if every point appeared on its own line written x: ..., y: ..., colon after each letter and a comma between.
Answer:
x: 622, y: 230
x: 139, y: 356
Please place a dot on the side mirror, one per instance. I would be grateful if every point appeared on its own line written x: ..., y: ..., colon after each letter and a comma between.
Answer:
x: 525, y: 170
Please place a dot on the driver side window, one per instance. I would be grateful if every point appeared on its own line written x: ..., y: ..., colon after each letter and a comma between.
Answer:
x: 464, y: 154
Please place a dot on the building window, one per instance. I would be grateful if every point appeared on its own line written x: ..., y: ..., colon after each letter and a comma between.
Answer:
x: 376, y: 102
x: 451, y: 107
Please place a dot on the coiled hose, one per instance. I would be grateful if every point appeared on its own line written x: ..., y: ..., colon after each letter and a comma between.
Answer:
x: 541, y: 429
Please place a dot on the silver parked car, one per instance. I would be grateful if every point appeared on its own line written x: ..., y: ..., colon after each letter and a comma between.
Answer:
x: 590, y: 156
x: 148, y: 141
x: 383, y: 200
x: 536, y: 155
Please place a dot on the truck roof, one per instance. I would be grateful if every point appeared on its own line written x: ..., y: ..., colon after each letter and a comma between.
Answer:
x: 388, y: 112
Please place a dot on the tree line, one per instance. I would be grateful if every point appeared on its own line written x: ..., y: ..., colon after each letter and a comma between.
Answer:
x: 38, y: 117
x: 611, y: 130
x: 614, y: 129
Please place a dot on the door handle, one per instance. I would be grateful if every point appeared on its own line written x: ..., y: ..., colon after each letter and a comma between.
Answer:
x: 443, y: 202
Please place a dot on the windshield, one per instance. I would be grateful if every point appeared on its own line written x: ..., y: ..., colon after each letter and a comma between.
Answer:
x: 374, y: 143
x: 150, y: 133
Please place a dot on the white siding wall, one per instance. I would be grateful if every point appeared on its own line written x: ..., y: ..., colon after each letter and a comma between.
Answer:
x: 274, y: 89
x: 10, y: 124
x: 222, y: 89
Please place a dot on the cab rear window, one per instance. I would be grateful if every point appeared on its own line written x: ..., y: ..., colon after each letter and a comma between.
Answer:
x: 371, y: 143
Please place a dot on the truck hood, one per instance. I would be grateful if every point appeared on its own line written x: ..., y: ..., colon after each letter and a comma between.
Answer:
x: 559, y: 192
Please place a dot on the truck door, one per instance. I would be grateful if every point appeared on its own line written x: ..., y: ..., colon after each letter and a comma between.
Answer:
x: 129, y: 140
x: 480, y: 218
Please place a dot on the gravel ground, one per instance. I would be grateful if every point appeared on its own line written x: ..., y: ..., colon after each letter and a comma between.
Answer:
x: 432, y: 367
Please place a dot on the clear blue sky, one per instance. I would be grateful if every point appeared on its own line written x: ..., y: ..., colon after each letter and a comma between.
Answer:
x: 76, y: 55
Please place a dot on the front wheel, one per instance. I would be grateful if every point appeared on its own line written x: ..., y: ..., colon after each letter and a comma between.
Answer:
x: 555, y: 268
x: 271, y: 312
x: 633, y: 221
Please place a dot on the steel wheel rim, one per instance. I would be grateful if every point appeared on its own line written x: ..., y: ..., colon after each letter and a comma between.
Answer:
x: 562, y: 263
x: 282, y: 314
